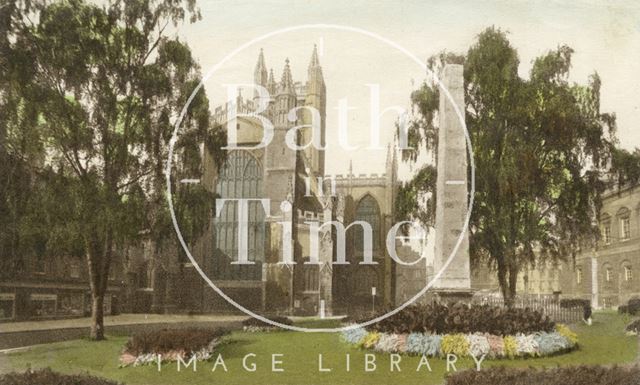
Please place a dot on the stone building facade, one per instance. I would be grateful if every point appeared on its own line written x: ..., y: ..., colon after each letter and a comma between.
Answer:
x: 300, y: 192
x: 44, y: 287
x: 605, y: 273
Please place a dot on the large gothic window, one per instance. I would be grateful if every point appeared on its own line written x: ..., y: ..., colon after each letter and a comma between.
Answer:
x: 241, y: 177
x: 367, y: 211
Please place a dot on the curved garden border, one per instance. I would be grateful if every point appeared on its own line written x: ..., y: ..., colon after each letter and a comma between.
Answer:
x: 539, y: 344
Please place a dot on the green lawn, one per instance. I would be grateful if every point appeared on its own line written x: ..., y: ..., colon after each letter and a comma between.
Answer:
x: 602, y: 343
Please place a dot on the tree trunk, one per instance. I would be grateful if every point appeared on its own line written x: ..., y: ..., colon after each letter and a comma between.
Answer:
x: 508, y: 280
x: 504, y: 283
x: 158, y: 285
x: 97, y: 317
x: 98, y: 262
x: 512, y: 283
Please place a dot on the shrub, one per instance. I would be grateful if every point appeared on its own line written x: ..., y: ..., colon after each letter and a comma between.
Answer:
x: 460, y: 318
x: 49, y: 377
x: 172, y: 340
x: 259, y: 323
x: 574, y: 302
x: 623, y: 309
x: 585, y: 304
x: 576, y: 375
x: 633, y: 327
x: 633, y: 306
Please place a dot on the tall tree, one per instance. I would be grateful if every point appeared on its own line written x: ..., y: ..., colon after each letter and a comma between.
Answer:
x: 171, y: 79
x: 416, y: 198
x: 541, y: 147
x: 625, y: 167
x: 98, y: 75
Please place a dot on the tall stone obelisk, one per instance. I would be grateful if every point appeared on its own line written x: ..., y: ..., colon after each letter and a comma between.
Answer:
x: 452, y: 195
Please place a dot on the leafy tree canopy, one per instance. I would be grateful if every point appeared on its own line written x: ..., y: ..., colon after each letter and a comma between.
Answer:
x: 542, y: 151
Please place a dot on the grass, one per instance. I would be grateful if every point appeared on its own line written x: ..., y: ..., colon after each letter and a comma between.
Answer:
x: 602, y: 343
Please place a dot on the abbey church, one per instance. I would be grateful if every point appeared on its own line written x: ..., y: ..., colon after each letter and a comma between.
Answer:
x: 301, y: 193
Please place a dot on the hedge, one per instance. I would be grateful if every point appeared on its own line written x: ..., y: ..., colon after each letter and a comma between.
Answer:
x: 49, y: 377
x: 576, y: 375
x: 170, y: 344
x: 574, y: 302
x: 166, y: 340
x: 632, y: 307
x: 460, y: 318
x: 256, y: 325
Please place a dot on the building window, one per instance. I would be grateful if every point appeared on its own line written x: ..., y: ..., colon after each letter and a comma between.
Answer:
x: 579, y: 275
x: 606, y: 232
x: 628, y: 276
x: 112, y: 271
x: 608, y: 274
x: 625, y: 230
x: 311, y: 278
x: 71, y: 304
x: 43, y: 305
x: 74, y: 269
x: 7, y: 306
x: 145, y: 276
x: 241, y: 177
x: 367, y: 211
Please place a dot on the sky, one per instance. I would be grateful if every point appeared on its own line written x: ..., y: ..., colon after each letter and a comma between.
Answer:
x: 604, y: 34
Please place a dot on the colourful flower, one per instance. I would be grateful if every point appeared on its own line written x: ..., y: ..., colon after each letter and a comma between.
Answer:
x: 567, y: 333
x: 510, y: 346
x: 354, y: 336
x: 496, y: 345
x: 388, y: 343
x: 455, y: 344
x: 478, y: 345
x: 423, y: 344
x: 370, y: 340
x: 526, y: 344
x: 549, y: 343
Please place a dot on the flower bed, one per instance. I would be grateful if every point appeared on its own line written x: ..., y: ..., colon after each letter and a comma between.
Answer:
x: 464, y: 345
x: 170, y: 344
x: 437, y: 330
x: 576, y: 375
x: 49, y: 377
x: 253, y: 325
